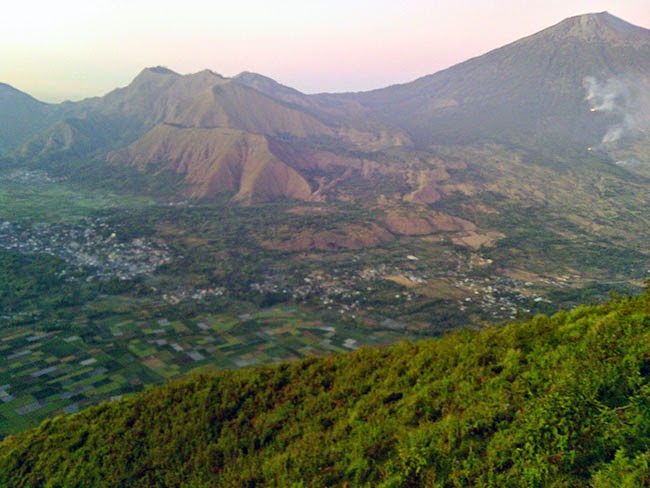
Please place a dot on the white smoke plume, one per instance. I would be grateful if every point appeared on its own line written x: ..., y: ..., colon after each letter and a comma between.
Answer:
x: 626, y: 98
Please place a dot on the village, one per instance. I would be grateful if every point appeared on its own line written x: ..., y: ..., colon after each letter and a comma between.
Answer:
x: 47, y: 370
x: 352, y: 291
x: 91, y: 244
x: 97, y: 247
x: 29, y: 177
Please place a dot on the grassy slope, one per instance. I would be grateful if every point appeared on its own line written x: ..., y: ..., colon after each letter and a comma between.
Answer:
x: 560, y: 401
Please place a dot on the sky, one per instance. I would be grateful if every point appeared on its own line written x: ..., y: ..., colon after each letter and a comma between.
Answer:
x: 59, y: 50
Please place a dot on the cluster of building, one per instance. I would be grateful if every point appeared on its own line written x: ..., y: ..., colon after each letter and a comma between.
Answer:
x: 349, y: 291
x: 501, y: 299
x: 90, y: 244
x: 26, y: 177
x: 198, y: 294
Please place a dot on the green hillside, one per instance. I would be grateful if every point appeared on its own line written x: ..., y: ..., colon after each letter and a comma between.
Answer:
x: 559, y: 401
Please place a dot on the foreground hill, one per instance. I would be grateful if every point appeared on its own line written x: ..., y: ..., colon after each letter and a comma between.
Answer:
x: 559, y: 401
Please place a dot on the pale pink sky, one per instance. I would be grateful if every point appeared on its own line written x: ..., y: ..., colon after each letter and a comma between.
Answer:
x: 71, y: 49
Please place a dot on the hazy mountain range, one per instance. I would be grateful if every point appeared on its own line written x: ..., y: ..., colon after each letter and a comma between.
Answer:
x: 257, y: 139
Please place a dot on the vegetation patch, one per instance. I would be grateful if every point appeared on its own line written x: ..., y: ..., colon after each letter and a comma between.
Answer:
x: 552, y: 401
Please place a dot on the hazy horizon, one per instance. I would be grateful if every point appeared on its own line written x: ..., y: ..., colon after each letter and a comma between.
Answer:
x: 71, y: 49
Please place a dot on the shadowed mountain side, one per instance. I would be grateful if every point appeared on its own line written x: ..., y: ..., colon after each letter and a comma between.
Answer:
x: 357, y: 124
x: 21, y: 116
x: 217, y: 160
x: 78, y: 137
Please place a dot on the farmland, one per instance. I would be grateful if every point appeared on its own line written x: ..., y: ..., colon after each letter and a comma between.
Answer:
x: 103, y: 294
x: 60, y: 370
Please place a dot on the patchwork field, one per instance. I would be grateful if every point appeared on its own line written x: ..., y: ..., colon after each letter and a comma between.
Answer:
x: 55, y: 371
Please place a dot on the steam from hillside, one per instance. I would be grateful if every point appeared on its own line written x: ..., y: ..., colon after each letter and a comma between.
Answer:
x: 626, y: 99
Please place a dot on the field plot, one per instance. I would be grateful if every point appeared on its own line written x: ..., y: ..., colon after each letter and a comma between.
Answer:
x: 45, y: 373
x: 38, y: 197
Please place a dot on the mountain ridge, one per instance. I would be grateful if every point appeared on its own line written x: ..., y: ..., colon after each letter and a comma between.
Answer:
x: 539, y: 94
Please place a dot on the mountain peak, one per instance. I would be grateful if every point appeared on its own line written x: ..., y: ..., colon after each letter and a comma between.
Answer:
x: 251, y: 76
x: 209, y: 72
x: 159, y: 70
x: 543, y: 72
x: 600, y: 27
x: 154, y: 74
x: 8, y: 92
x: 267, y: 85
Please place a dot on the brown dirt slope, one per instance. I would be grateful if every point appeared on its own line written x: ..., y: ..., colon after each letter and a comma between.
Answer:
x: 217, y: 160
